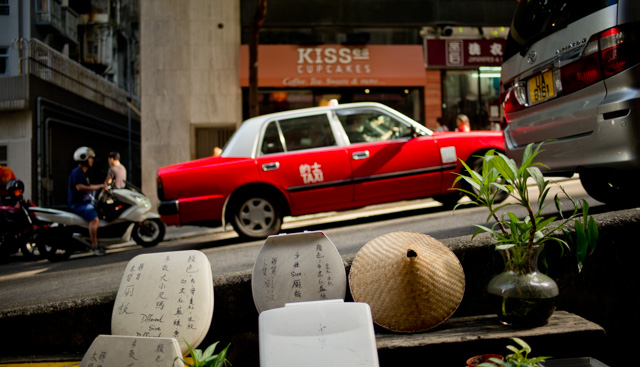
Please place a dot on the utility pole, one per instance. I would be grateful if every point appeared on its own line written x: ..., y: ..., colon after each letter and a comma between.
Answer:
x: 254, y: 40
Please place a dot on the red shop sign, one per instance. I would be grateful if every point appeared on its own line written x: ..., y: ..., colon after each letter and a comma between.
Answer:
x: 464, y: 53
x: 336, y: 66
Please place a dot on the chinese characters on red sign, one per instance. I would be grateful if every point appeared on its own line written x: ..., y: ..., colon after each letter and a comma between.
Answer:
x: 464, y: 53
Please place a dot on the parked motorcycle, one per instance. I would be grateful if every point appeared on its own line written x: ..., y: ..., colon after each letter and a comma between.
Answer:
x: 124, y: 214
x: 17, y: 224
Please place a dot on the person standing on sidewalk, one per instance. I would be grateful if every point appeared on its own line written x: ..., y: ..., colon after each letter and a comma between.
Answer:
x: 463, y: 123
x: 117, y: 172
x: 79, y: 194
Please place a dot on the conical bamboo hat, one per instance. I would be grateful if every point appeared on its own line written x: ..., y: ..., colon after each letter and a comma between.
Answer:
x: 411, y: 281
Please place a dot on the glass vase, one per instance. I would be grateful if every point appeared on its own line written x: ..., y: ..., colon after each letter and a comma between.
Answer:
x: 521, y: 295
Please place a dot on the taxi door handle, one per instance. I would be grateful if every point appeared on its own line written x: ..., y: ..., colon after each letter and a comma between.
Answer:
x: 271, y: 166
x: 360, y: 155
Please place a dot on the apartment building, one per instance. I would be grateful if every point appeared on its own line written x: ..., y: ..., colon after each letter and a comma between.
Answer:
x: 68, y: 77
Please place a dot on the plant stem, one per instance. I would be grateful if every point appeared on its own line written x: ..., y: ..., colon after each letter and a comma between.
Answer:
x: 532, y: 232
x: 504, y: 230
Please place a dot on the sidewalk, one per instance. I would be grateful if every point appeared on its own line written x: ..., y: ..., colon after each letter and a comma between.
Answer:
x: 597, y: 295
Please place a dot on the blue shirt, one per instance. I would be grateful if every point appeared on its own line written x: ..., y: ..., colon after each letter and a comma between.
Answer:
x: 74, y: 196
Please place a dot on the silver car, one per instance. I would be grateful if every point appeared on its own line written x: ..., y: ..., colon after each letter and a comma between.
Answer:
x: 571, y: 74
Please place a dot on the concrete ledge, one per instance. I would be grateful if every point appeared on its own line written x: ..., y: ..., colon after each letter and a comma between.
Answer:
x: 603, y: 293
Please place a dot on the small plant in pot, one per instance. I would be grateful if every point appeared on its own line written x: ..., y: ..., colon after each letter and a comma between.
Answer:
x: 519, y: 357
x: 206, y: 358
x: 522, y: 295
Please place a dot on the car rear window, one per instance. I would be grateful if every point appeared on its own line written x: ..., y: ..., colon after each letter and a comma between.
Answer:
x: 536, y: 19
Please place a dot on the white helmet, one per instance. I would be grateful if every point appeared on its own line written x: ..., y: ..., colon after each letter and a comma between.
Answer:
x: 82, y: 154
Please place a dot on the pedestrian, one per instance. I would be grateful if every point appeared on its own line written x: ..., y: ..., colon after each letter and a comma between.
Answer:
x: 462, y: 121
x: 79, y: 194
x: 6, y: 176
x: 117, y: 172
x: 441, y: 125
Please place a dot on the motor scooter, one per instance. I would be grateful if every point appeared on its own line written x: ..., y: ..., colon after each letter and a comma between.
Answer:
x: 124, y: 214
x: 17, y: 224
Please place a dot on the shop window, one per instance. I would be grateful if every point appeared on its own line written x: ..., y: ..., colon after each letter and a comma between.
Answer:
x: 474, y: 93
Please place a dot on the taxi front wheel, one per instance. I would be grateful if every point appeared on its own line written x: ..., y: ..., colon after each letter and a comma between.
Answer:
x: 256, y: 217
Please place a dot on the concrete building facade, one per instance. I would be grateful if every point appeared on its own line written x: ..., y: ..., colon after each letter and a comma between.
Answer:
x: 190, y: 72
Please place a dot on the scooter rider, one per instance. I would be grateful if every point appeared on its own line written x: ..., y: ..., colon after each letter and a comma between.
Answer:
x: 79, y: 195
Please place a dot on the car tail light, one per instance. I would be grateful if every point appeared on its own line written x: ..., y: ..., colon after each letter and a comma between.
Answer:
x: 514, y: 99
x: 583, y: 72
x: 618, y: 49
x: 606, y: 54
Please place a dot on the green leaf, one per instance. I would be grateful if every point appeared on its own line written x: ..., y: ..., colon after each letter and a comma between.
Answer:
x: 209, y: 351
x: 523, y: 344
x: 527, y: 156
x: 536, y: 174
x: 582, y: 244
x: 505, y: 167
x: 556, y: 200
x: 222, y: 358
x: 504, y: 246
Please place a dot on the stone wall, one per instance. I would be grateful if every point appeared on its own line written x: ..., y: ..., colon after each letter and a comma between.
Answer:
x: 602, y: 293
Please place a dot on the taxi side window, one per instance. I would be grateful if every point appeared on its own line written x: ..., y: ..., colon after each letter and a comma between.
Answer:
x: 271, y: 142
x: 372, y: 125
x: 307, y: 132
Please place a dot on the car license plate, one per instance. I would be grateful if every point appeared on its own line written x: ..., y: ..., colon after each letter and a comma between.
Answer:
x: 541, y: 87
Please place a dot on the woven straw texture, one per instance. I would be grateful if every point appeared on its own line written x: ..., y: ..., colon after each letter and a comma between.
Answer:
x: 411, y: 281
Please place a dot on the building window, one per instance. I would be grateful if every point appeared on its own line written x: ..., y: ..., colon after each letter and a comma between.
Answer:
x: 3, y: 155
x: 4, y: 7
x: 4, y: 59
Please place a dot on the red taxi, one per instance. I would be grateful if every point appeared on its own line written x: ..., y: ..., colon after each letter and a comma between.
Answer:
x: 316, y: 160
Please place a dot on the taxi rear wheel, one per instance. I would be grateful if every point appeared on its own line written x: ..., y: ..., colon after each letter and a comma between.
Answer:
x: 256, y: 217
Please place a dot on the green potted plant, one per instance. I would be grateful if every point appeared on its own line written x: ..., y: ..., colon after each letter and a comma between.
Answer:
x: 521, y: 294
x: 519, y: 357
x: 207, y: 358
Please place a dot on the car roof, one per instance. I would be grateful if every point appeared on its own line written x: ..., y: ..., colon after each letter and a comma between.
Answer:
x: 244, y: 140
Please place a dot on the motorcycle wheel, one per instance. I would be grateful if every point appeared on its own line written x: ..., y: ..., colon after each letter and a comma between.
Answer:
x: 50, y: 250
x: 30, y: 251
x: 149, y: 232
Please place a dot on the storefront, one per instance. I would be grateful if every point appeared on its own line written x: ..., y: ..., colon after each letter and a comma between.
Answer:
x: 454, y: 79
x: 291, y: 76
x: 470, y: 74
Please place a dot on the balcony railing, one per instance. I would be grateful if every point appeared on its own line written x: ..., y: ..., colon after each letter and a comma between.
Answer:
x: 41, y: 61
